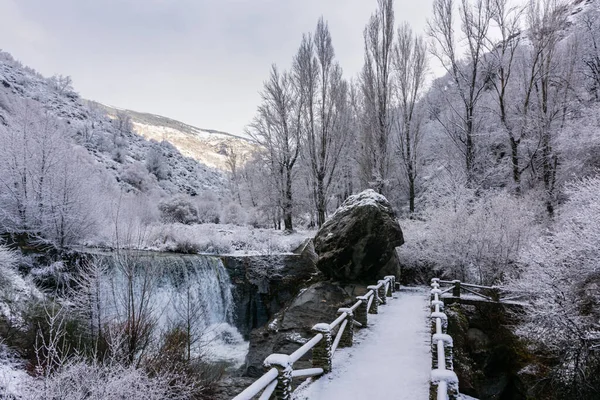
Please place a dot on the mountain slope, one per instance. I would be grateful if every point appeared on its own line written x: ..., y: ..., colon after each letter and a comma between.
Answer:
x: 123, y: 153
x: 208, y: 146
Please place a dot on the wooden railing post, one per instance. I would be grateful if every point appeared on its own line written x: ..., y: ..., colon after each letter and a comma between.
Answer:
x: 444, y: 322
x: 391, y: 285
x: 348, y: 334
x: 361, y: 311
x: 375, y: 303
x: 495, y: 293
x: 456, y: 289
x: 321, y: 353
x: 448, y: 350
x: 381, y: 291
x: 392, y: 280
x: 283, y: 364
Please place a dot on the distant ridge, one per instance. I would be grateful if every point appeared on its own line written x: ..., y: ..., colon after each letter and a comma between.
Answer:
x: 211, y: 147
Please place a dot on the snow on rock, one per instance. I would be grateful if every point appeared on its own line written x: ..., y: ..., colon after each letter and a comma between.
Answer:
x: 367, y: 197
x: 389, y: 359
x: 359, y: 240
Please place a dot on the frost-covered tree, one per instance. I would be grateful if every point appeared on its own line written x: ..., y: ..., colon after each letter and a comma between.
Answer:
x: 410, y: 68
x: 46, y: 182
x: 555, y: 66
x: 561, y: 276
x: 325, y: 116
x: 375, y: 81
x: 277, y: 128
x: 467, y: 74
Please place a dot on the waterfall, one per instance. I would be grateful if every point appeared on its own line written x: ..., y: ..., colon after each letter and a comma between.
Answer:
x: 192, y: 292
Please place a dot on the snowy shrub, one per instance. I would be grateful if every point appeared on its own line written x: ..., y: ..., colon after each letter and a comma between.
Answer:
x: 137, y: 176
x: 234, y: 214
x: 14, y: 290
x: 180, y: 209
x: 472, y: 238
x: 82, y: 380
x: 118, y: 154
x: 209, y: 211
x: 224, y: 239
x: 8, y: 260
x: 561, y: 275
x: 156, y: 164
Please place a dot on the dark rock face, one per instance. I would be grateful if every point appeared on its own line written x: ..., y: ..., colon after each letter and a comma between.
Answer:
x: 263, y: 285
x: 488, y: 357
x: 291, y: 327
x: 359, y: 239
x: 228, y: 388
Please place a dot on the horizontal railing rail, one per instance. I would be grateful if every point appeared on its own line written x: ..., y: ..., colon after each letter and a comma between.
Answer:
x: 277, y: 381
x: 487, y: 293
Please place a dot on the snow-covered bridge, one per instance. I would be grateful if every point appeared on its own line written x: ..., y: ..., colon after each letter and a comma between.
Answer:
x: 405, y: 354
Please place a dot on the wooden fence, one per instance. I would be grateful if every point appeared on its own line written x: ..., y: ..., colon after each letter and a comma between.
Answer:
x: 444, y: 382
x: 276, y: 383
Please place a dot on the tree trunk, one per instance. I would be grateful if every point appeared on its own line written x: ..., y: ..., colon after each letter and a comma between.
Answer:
x: 321, y: 203
x: 287, y: 208
x: 516, y: 172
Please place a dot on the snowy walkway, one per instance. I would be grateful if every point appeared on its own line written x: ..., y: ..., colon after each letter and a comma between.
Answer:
x: 390, y: 358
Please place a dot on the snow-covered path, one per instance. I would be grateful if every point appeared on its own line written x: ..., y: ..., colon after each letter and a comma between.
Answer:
x: 390, y: 358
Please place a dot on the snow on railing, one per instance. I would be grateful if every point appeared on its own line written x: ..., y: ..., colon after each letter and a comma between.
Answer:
x: 493, y: 292
x: 444, y: 382
x: 276, y: 383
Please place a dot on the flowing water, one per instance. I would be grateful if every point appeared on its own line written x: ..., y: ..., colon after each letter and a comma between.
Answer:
x: 192, y: 292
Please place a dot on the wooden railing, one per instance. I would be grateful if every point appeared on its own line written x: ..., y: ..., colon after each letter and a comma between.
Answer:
x: 277, y: 381
x: 479, y: 292
x: 444, y: 382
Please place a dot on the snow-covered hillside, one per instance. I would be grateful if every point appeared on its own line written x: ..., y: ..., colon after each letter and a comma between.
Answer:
x: 120, y: 152
x: 209, y: 147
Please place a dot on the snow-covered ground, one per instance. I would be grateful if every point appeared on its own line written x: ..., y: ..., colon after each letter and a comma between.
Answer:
x: 389, y: 359
x: 225, y: 239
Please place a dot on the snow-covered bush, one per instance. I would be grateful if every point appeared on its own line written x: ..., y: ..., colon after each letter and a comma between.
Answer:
x: 561, y: 274
x: 209, y: 211
x: 234, y: 214
x: 13, y: 288
x: 8, y: 259
x: 156, y: 164
x: 223, y: 239
x: 180, y: 209
x: 474, y: 238
x: 113, y: 381
x: 137, y: 176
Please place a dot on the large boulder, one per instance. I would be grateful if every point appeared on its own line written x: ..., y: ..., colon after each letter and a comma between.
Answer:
x: 359, y: 239
x: 291, y: 327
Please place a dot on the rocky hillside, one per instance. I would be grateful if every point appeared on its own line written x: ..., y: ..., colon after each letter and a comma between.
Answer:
x: 207, y: 146
x: 136, y: 163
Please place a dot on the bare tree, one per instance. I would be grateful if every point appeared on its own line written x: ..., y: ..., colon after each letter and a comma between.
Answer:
x: 467, y: 74
x: 591, y: 59
x: 546, y: 19
x: 233, y: 163
x: 410, y: 67
x: 513, y: 97
x: 325, y: 114
x: 376, y: 88
x: 277, y: 128
x: 44, y: 187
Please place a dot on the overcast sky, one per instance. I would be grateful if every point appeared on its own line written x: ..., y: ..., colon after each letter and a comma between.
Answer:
x: 198, y: 61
